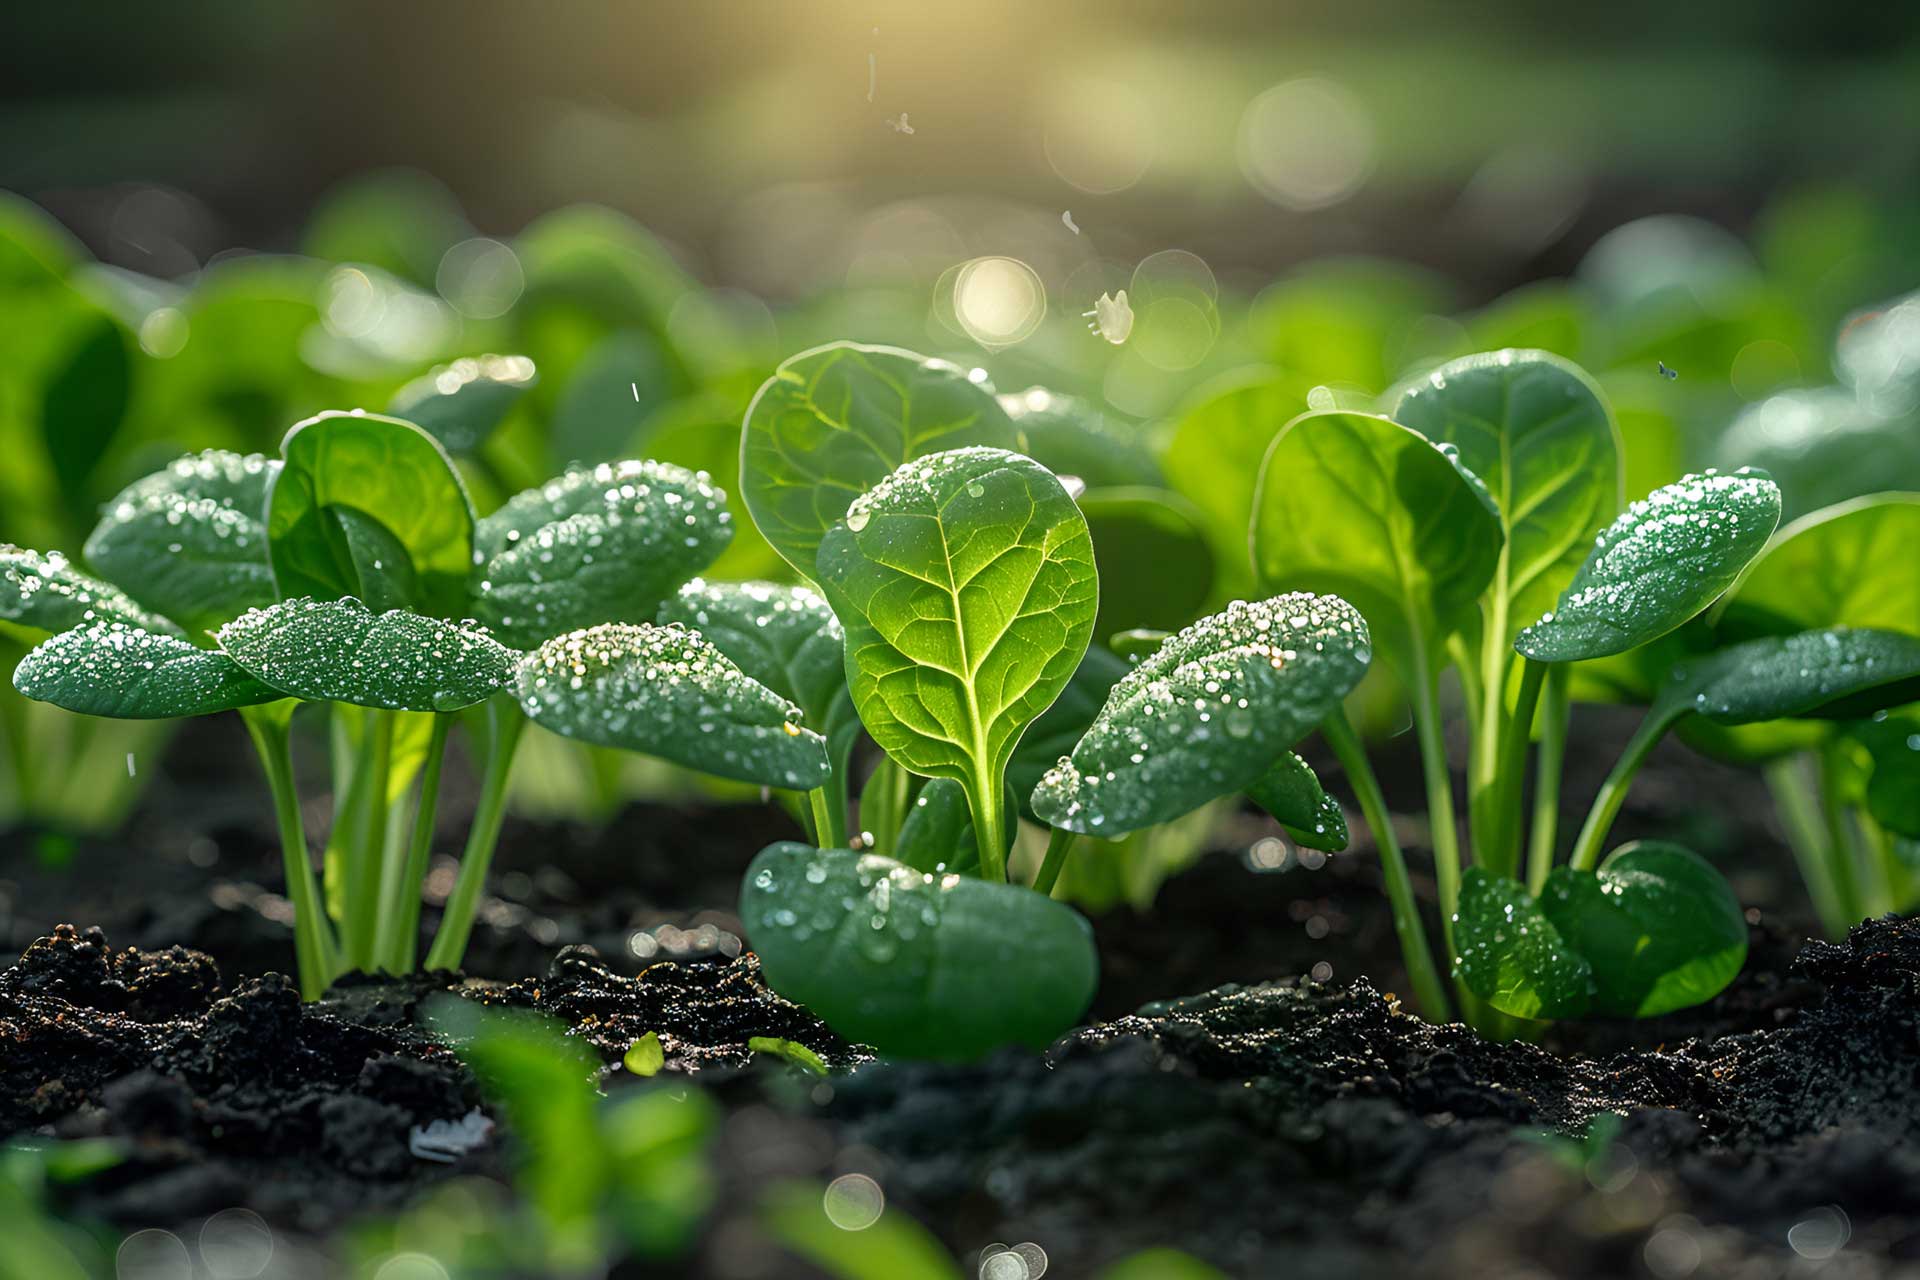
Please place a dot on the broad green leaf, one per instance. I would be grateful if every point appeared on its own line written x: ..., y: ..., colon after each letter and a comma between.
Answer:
x: 370, y: 507
x: 666, y: 692
x: 916, y: 965
x: 1823, y: 446
x: 1657, y: 925
x: 1214, y: 460
x: 341, y: 651
x: 1893, y: 785
x: 1063, y: 724
x: 607, y: 543
x: 190, y: 542
x: 938, y: 832
x: 1509, y: 954
x: 835, y: 421
x: 1293, y: 795
x: 1364, y: 508
x: 459, y: 404
x: 113, y: 669
x: 1070, y: 436
x: 1832, y: 673
x: 1535, y: 430
x: 44, y: 594
x: 1851, y: 565
x: 966, y: 584
x: 1208, y: 713
x: 1667, y: 558
x: 1157, y: 561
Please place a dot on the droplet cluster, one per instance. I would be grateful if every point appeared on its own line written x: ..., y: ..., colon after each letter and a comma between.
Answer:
x: 783, y: 636
x: 1779, y: 676
x: 114, y: 669
x: 47, y: 593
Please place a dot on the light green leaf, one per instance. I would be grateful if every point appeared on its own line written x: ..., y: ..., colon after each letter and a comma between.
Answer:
x: 43, y: 594
x: 190, y: 542
x: 341, y: 651
x: 1535, y: 430
x: 1214, y: 460
x: 1374, y: 512
x: 966, y: 584
x: 459, y: 404
x: 1293, y: 795
x: 666, y: 692
x: 1509, y: 954
x: 1657, y: 925
x: 607, y: 543
x: 916, y: 965
x: 370, y: 507
x: 835, y: 421
x: 1666, y: 559
x: 1158, y: 531
x: 1208, y: 713
x: 1849, y: 565
x: 117, y: 670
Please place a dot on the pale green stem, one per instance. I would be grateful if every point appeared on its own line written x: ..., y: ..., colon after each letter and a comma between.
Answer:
x: 1429, y: 992
x: 1556, y: 710
x: 1613, y: 792
x: 1798, y: 805
x: 883, y: 804
x: 269, y: 726
x: 990, y: 828
x: 829, y: 821
x: 1502, y: 852
x: 505, y: 723
x: 1425, y: 694
x: 1842, y: 847
x: 397, y: 938
x: 1059, y: 847
x: 368, y: 842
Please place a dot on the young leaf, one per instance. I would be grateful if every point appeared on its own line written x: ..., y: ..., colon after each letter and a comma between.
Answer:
x: 916, y: 965
x: 370, y: 507
x: 1849, y: 565
x: 1293, y: 795
x: 1509, y: 954
x: 1208, y: 713
x: 966, y: 584
x: 1063, y: 724
x: 1139, y: 526
x: 341, y: 651
x: 1666, y: 559
x: 191, y: 541
x: 1535, y: 430
x: 1372, y: 511
x: 606, y: 543
x: 938, y: 832
x: 666, y: 692
x: 835, y: 421
x: 44, y: 594
x: 460, y: 404
x: 1214, y: 459
x: 1657, y: 925
x: 117, y: 670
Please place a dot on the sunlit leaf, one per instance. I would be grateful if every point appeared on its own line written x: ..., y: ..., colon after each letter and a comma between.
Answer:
x: 460, y: 404
x: 1509, y: 954
x: 1293, y: 795
x: 43, y: 594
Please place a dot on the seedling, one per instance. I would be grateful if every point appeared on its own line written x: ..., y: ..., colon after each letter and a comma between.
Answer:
x: 348, y: 574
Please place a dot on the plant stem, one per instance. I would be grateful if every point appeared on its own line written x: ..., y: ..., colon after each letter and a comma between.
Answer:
x: 1798, y: 805
x: 1425, y: 694
x: 368, y: 843
x: 883, y: 804
x: 829, y: 824
x: 505, y: 724
x: 1613, y: 792
x: 1059, y: 846
x: 988, y: 803
x: 1878, y: 847
x: 397, y: 937
x: 1428, y: 990
x: 270, y: 727
x: 1842, y: 848
x: 1555, y: 713
x: 1501, y: 854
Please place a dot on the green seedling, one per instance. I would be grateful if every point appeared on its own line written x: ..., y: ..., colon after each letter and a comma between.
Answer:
x: 348, y: 574
x: 789, y: 1051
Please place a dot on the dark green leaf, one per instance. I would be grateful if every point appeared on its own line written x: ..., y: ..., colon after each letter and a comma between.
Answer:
x: 1063, y: 724
x: 370, y: 507
x: 1666, y: 559
x: 607, y: 543
x: 938, y: 832
x: 460, y: 404
x: 341, y: 651
x: 1293, y: 795
x: 83, y: 404
x: 1833, y: 673
x: 1509, y: 954
x: 599, y: 413
x: 1658, y: 927
x: 666, y: 692
x: 191, y: 541
x: 1156, y: 561
x: 1208, y: 713
x: 1073, y: 437
x: 1893, y: 786
x: 43, y: 594
x: 837, y: 420
x: 916, y: 965
x: 113, y: 669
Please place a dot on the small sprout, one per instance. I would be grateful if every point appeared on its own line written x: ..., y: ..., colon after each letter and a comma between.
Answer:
x: 791, y: 1050
x: 1111, y: 317
x: 645, y: 1057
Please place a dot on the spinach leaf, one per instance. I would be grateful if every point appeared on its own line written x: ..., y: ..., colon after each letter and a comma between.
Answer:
x: 1208, y: 713
x: 82, y: 405
x: 1293, y: 795
x: 43, y: 594
x: 1666, y: 559
x: 607, y: 543
x: 966, y: 584
x: 370, y: 507
x: 1063, y: 724
x: 341, y: 651
x: 114, y: 669
x: 666, y: 692
x: 1507, y: 952
x: 1158, y: 560
x: 1847, y: 565
x: 916, y: 965
x: 835, y: 421
x: 1070, y: 436
x: 938, y: 832
x: 461, y: 403
x: 1214, y: 459
x: 1892, y: 794
x: 191, y: 541
x: 1830, y: 673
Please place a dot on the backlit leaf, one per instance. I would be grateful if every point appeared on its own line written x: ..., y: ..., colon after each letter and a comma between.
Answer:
x: 1852, y: 565
x: 459, y: 404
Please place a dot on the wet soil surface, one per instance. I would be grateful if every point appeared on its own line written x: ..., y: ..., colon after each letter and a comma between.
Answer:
x: 1294, y: 1127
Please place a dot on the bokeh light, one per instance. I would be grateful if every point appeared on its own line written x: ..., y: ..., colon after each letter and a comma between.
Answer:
x: 998, y: 301
x: 1306, y: 144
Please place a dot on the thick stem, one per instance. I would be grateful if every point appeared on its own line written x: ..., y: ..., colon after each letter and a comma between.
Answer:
x: 1428, y: 990
x: 988, y: 805
x: 368, y: 843
x: 1798, y: 806
x: 1501, y: 855
x: 1445, y: 834
x: 270, y: 728
x: 1842, y: 848
x: 1059, y: 846
x: 1556, y: 710
x: 397, y: 939
x: 505, y: 723
x: 1613, y: 792
x: 829, y: 820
